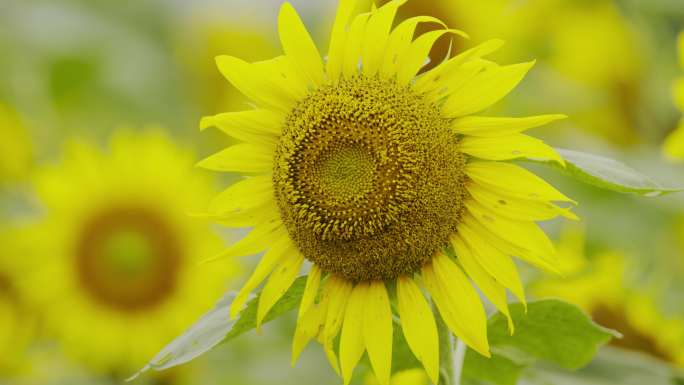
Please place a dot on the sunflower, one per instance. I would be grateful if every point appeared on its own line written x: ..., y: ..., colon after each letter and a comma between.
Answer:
x: 384, y: 182
x: 673, y: 147
x: 113, y: 265
x: 599, y: 287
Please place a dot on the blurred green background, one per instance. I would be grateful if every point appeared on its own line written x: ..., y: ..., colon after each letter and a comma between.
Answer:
x: 77, y: 69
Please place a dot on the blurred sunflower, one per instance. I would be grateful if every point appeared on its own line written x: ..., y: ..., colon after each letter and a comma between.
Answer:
x: 599, y: 287
x: 673, y: 147
x: 377, y: 177
x: 591, y: 48
x: 15, y: 146
x: 115, y: 268
x: 16, y: 322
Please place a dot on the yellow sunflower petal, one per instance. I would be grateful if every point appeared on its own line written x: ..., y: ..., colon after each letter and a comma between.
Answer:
x: 336, y: 294
x: 377, y: 34
x: 457, y: 301
x: 243, y: 158
x: 400, y: 40
x: 499, y: 265
x: 413, y: 59
x: 345, y: 10
x: 280, y: 248
x: 253, y: 83
x: 513, y: 180
x: 485, y: 89
x: 329, y: 350
x: 523, y: 234
x: 253, y: 126
x: 418, y: 325
x: 506, y: 147
x: 432, y: 79
x: 377, y: 330
x: 456, y: 79
x: 352, y: 339
x: 308, y: 326
x: 353, y: 44
x: 483, y: 280
x: 313, y: 282
x: 517, y: 208
x: 673, y: 147
x: 298, y: 45
x: 680, y: 46
x: 256, y: 241
x: 249, y: 216
x: 244, y: 194
x: 278, y: 282
x: 484, y: 126
x: 282, y: 72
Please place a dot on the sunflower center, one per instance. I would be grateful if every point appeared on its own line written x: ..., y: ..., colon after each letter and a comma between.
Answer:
x: 128, y: 258
x: 368, y: 179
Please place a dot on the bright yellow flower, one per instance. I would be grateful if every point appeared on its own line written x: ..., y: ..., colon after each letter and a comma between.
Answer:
x: 377, y: 176
x: 114, y: 263
x: 599, y: 287
x: 16, y: 322
x: 673, y: 147
x: 15, y: 146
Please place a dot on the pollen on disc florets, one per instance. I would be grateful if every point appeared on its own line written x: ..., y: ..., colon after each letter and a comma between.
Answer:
x: 368, y: 179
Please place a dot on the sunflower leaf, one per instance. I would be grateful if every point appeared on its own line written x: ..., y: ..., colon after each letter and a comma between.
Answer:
x: 216, y: 327
x: 606, y: 173
x: 247, y: 320
x: 551, y: 331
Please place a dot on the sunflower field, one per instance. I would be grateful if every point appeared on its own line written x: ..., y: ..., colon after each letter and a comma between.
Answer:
x: 365, y: 192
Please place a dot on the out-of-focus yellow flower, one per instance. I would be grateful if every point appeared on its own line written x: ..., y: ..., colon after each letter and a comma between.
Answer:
x: 673, y: 148
x: 15, y: 146
x: 114, y: 263
x: 598, y: 286
x: 590, y: 47
x: 405, y: 377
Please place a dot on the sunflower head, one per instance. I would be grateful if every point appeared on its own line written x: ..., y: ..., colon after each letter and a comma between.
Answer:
x: 117, y: 251
x: 362, y: 193
x: 376, y: 171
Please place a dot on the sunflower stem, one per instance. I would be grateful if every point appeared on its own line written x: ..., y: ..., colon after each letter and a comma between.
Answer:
x: 451, y: 353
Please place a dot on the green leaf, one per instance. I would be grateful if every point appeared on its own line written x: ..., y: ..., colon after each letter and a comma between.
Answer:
x: 551, y: 330
x: 607, y: 174
x: 289, y: 301
x: 216, y: 327
x: 611, y: 366
x: 495, y: 370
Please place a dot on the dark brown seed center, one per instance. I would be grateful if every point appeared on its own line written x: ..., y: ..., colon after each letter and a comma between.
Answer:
x: 128, y: 258
x: 368, y: 179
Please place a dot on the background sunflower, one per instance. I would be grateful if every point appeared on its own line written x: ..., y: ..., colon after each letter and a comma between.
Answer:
x: 118, y: 251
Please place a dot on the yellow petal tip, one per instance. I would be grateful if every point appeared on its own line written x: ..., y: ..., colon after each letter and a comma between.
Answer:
x: 206, y: 122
